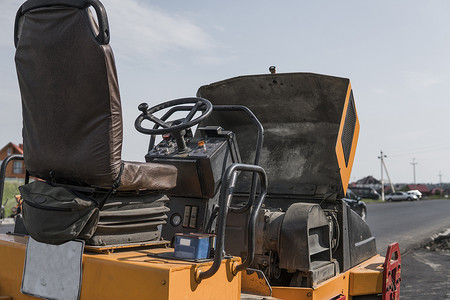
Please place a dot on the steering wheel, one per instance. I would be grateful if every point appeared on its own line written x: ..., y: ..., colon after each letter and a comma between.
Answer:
x: 175, y: 127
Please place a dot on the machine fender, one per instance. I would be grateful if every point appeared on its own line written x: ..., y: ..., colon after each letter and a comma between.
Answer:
x: 255, y: 282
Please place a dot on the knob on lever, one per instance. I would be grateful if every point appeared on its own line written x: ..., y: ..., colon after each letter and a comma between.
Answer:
x: 143, y: 107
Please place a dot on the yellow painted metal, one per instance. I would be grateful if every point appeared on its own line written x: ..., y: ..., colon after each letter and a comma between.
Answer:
x: 367, y: 278
x: 136, y: 275
x: 327, y: 290
x: 12, y: 255
x: 345, y: 169
x: 254, y: 282
x: 127, y: 275
x: 364, y: 279
x: 292, y: 293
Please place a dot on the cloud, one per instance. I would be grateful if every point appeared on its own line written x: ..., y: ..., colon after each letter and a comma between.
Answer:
x: 143, y: 28
x: 141, y: 31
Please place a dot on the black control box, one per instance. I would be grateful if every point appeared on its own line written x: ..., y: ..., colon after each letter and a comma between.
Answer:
x: 200, y: 167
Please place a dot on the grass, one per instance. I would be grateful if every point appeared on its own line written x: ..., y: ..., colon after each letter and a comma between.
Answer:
x: 11, y: 189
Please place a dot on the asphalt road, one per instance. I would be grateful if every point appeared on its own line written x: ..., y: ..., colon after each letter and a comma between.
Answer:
x: 425, y: 274
x: 7, y: 226
x: 409, y: 223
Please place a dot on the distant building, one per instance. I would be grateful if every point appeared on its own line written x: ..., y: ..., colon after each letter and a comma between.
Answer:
x: 388, y: 189
x: 367, y: 182
x: 421, y: 188
x: 16, y: 168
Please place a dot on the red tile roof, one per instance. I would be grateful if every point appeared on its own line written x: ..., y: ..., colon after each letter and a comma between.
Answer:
x: 420, y: 187
x: 19, y: 148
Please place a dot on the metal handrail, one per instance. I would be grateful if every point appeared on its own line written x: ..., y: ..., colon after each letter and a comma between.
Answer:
x: 226, y: 195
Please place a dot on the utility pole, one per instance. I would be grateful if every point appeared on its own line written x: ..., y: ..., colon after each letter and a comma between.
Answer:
x: 414, y: 163
x: 383, y: 165
x: 381, y: 157
x: 389, y: 178
x: 440, y: 179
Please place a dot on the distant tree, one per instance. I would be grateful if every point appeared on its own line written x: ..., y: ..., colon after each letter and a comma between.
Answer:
x: 437, y: 191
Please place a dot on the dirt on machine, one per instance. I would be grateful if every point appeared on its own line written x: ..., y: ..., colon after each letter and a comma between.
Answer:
x: 239, y: 196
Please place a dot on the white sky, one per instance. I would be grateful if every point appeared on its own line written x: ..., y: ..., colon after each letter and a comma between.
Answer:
x: 396, y: 54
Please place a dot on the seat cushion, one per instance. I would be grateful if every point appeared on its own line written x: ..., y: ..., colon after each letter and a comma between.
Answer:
x: 132, y: 219
x: 147, y: 176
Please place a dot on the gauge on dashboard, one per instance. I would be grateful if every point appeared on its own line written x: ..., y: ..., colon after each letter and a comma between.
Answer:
x: 175, y: 219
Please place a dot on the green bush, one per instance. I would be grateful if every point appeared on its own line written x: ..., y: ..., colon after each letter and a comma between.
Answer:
x: 11, y: 189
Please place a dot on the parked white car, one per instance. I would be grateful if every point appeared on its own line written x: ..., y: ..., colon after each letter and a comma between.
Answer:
x: 415, y: 192
x: 399, y: 196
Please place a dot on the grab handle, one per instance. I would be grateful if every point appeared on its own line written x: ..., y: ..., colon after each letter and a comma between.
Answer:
x: 226, y: 194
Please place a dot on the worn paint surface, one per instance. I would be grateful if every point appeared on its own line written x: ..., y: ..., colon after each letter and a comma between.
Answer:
x: 364, y: 279
x: 303, y: 115
x: 126, y: 275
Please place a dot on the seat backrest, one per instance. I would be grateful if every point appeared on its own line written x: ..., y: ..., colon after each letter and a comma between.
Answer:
x: 72, y: 119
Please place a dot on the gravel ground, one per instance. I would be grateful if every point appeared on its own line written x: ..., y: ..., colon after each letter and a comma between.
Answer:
x: 426, y: 271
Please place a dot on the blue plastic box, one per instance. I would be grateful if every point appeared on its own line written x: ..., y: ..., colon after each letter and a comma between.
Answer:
x: 193, y: 246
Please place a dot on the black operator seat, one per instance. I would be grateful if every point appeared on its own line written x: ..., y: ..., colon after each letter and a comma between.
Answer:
x: 72, y: 117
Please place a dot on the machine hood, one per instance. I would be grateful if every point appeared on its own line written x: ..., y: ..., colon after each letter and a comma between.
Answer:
x: 311, y: 129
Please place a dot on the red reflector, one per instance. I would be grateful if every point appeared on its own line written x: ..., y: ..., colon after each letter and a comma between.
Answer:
x: 392, y: 273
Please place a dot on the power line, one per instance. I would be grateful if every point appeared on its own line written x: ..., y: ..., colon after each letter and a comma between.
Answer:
x: 424, y: 149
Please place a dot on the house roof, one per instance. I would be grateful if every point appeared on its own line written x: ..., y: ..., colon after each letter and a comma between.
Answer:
x: 420, y: 187
x: 368, y: 180
x: 19, y: 148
